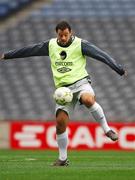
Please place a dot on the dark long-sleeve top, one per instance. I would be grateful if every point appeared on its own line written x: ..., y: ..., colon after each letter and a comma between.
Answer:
x: 88, y: 49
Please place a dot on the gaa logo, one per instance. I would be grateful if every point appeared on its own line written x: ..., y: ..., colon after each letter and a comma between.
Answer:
x: 63, y: 55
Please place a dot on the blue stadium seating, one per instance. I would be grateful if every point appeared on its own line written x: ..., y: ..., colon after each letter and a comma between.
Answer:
x: 26, y: 85
x: 8, y: 6
x: 89, y: 8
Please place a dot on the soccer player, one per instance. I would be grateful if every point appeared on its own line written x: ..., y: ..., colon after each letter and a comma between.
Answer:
x: 68, y: 54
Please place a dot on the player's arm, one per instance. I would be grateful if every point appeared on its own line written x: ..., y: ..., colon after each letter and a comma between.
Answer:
x: 40, y: 49
x: 91, y: 50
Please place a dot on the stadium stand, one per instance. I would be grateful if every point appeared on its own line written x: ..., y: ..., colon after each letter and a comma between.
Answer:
x: 7, y: 7
x: 26, y: 85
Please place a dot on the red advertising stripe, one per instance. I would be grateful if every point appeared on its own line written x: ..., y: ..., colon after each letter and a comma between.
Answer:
x: 87, y: 136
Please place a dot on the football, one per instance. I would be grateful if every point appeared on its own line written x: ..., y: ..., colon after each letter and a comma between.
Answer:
x: 63, y: 95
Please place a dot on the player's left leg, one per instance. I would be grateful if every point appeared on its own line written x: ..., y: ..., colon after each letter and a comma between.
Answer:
x: 96, y: 110
x: 89, y: 100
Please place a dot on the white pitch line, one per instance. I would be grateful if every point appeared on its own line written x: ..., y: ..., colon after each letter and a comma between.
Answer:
x: 30, y: 159
x: 26, y: 159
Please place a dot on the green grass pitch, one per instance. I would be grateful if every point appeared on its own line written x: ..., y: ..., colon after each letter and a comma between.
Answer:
x: 84, y: 165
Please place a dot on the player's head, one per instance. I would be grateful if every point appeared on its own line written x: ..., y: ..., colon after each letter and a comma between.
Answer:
x: 64, y: 32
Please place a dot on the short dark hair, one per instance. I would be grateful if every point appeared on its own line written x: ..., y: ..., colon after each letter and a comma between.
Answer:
x: 62, y: 26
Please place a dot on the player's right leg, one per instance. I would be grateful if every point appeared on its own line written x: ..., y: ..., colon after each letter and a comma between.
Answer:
x: 62, y: 119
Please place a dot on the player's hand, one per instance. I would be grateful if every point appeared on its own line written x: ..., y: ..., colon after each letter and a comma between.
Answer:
x: 125, y: 73
x: 1, y: 56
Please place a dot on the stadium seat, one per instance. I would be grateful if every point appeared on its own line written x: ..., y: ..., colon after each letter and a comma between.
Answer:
x: 7, y: 6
